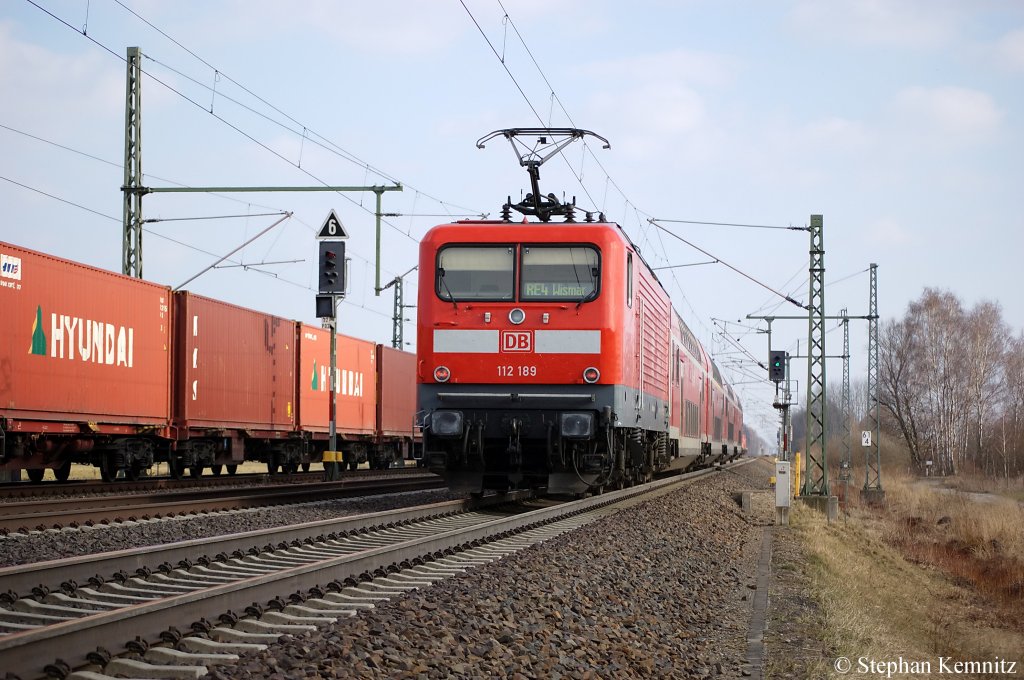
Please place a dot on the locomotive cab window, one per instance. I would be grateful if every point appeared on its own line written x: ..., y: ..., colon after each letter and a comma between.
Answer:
x: 476, y: 273
x: 559, y: 273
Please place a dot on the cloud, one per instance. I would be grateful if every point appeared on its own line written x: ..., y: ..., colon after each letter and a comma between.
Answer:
x: 887, y: 232
x: 672, y: 66
x: 1010, y: 50
x: 836, y: 134
x: 948, y: 114
x: 650, y: 103
x: 42, y: 85
x: 900, y: 23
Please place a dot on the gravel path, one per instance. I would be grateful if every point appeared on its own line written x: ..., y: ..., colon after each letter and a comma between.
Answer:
x: 49, y: 545
x: 662, y: 589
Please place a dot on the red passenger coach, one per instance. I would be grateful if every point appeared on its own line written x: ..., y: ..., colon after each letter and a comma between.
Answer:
x: 84, y: 365
x: 549, y: 354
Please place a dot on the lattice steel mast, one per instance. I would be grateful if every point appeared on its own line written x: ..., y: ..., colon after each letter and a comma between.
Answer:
x: 844, y: 408
x: 873, y: 457
x: 131, y: 253
x: 816, y: 481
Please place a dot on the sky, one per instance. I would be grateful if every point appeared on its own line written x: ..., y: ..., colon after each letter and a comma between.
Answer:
x: 899, y: 121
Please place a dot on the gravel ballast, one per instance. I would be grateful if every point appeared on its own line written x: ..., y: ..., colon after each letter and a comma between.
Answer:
x: 662, y: 589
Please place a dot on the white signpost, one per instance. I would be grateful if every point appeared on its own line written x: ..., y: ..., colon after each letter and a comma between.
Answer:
x: 865, y: 438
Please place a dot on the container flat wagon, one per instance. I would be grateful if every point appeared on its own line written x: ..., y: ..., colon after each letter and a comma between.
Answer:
x: 85, y: 367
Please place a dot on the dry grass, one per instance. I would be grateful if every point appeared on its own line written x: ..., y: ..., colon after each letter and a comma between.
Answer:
x: 887, y: 591
x: 976, y: 539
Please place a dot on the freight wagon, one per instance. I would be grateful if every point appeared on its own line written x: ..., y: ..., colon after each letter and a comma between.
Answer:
x: 108, y: 370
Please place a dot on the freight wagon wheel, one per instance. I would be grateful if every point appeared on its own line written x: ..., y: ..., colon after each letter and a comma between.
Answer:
x: 232, y: 469
x: 216, y: 470
x: 306, y: 466
x: 108, y: 471
x: 195, y: 471
x: 63, y: 472
x: 176, y: 468
x: 36, y: 474
x: 272, y: 466
x: 353, y: 466
x: 133, y: 472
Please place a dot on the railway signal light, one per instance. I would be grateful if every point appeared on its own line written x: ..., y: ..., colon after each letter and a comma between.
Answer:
x: 777, y: 365
x: 332, y: 267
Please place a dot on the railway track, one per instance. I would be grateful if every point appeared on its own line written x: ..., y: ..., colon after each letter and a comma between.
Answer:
x: 23, y: 490
x: 40, y: 515
x: 260, y: 585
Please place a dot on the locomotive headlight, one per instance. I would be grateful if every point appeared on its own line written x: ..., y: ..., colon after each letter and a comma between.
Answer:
x: 517, y: 316
x: 446, y: 423
x: 591, y: 375
x: 577, y: 425
x: 442, y: 374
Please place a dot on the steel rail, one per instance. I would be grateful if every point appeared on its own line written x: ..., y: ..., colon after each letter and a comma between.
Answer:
x: 32, y: 514
x: 10, y: 491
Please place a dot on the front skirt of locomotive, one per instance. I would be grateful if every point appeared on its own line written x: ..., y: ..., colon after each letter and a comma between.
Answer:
x: 565, y: 438
x: 489, y: 437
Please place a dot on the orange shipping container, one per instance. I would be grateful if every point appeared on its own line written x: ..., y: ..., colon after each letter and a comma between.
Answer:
x: 235, y: 367
x: 356, y: 391
x: 80, y: 344
x: 397, y: 388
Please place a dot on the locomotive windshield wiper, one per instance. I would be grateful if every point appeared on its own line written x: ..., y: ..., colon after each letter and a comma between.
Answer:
x: 593, y: 287
x: 440, y: 276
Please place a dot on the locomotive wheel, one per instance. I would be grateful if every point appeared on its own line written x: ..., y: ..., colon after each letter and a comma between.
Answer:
x: 216, y: 470
x: 306, y: 466
x: 63, y: 472
x: 232, y: 469
x: 195, y: 471
x: 36, y: 474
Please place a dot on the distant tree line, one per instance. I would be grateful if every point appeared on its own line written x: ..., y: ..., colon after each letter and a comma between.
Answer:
x: 951, y: 384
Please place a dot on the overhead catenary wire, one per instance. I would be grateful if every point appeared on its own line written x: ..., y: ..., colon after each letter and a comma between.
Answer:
x: 729, y: 224
x: 506, y: 20
x: 170, y: 239
x: 111, y: 163
x: 218, y: 117
x: 723, y: 262
x: 306, y: 131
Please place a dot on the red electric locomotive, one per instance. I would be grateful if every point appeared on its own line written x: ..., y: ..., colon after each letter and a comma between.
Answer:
x: 549, y: 354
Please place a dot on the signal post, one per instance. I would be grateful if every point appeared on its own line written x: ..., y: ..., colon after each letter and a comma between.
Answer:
x: 331, y: 274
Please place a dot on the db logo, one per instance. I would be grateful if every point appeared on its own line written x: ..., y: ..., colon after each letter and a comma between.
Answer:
x: 517, y: 341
